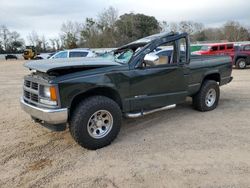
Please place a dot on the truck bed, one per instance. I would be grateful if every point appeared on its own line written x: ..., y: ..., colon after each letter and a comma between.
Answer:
x: 200, y: 66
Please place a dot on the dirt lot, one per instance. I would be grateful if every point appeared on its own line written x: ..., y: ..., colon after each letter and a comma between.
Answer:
x: 176, y: 148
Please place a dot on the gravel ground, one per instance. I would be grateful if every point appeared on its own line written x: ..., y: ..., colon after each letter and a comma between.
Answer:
x: 176, y: 148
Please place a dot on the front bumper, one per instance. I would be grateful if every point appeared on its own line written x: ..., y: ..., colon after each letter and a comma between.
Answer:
x: 50, y: 116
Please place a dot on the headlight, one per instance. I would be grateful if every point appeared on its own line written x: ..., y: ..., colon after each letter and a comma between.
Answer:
x: 45, y: 91
x: 49, y: 95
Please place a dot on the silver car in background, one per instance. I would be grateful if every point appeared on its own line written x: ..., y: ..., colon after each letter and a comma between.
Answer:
x: 73, y: 53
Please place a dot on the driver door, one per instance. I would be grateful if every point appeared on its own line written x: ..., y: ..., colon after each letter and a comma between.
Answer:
x: 160, y: 82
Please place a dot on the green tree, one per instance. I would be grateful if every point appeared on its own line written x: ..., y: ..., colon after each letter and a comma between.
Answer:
x: 100, y: 32
x: 90, y: 35
x: 16, y: 43
x: 234, y: 31
x: 106, y: 24
x: 4, y: 36
x: 70, y: 34
x: 10, y: 41
x: 1, y: 47
x: 134, y: 26
x: 213, y: 34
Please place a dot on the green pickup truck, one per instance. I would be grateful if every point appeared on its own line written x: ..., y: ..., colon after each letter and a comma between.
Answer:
x: 92, y: 95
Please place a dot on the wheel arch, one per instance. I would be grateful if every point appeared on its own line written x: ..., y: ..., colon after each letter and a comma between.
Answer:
x: 212, y: 76
x: 240, y: 57
x: 102, y: 91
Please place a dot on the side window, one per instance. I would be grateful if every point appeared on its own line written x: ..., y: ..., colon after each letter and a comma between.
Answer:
x: 78, y: 54
x: 166, y: 56
x: 164, y: 53
x: 247, y: 48
x: 214, y: 48
x: 230, y: 46
x: 61, y: 55
x: 183, y: 46
x: 222, y: 47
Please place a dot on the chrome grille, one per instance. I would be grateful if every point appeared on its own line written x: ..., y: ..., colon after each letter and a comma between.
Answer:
x: 30, y: 91
x: 34, y: 97
x: 26, y: 94
x: 34, y: 86
x: 27, y: 83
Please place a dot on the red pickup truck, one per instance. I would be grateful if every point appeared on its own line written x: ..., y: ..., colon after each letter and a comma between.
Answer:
x: 241, y: 56
x: 215, y: 49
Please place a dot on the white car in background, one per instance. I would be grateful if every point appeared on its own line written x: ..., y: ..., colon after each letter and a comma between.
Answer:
x: 73, y: 53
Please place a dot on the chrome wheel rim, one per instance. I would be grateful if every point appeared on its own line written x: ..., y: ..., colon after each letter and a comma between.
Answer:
x: 100, y: 124
x: 242, y: 64
x: 210, y: 97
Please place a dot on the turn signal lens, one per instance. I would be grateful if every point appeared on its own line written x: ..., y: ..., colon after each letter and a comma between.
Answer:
x: 53, y: 95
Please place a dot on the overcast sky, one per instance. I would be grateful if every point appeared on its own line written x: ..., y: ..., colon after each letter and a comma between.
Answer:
x: 47, y: 16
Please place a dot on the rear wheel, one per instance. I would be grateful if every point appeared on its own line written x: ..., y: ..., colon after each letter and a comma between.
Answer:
x: 208, y: 97
x: 241, y: 63
x: 96, y: 122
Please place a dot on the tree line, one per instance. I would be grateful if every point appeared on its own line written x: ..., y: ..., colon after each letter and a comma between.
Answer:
x: 10, y: 41
x: 110, y: 30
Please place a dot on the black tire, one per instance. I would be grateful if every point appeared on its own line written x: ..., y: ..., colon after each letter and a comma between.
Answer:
x: 83, y: 113
x: 200, y: 101
x: 241, y: 63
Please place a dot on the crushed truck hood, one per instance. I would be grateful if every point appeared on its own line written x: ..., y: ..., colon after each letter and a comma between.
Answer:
x: 51, y: 65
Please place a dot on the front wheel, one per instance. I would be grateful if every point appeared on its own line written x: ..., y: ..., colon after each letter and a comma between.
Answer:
x: 208, y: 97
x: 96, y: 122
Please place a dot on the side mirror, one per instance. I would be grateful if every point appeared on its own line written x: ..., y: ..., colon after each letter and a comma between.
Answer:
x: 150, y: 59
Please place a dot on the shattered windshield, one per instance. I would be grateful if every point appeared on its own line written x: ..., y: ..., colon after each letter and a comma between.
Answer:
x: 124, y: 54
x: 119, y: 57
x: 124, y: 57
